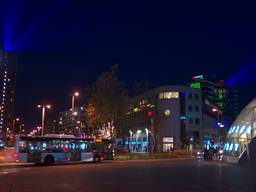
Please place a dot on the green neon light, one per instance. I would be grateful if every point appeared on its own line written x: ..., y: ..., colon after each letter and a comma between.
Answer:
x: 136, y: 109
x: 196, y: 85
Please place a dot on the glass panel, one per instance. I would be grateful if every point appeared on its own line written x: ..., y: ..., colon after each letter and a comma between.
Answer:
x: 167, y: 147
x: 167, y: 139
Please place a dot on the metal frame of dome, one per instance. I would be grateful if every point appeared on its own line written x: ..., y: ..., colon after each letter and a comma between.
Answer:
x: 242, y: 131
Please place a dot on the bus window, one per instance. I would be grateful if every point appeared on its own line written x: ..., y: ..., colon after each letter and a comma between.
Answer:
x: 23, y: 147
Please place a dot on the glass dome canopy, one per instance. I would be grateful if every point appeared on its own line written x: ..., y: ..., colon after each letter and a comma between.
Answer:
x: 242, y: 130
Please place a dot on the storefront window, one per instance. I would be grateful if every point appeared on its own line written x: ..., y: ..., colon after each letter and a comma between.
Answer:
x: 167, y: 144
x: 167, y: 147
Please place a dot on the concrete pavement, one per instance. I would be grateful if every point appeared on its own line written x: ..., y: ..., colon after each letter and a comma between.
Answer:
x: 132, y: 176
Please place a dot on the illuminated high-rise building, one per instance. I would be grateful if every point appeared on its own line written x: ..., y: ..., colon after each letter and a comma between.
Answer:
x: 8, y: 62
x: 217, y: 93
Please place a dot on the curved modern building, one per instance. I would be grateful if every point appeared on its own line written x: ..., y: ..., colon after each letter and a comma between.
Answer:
x: 168, y: 117
x: 241, y: 140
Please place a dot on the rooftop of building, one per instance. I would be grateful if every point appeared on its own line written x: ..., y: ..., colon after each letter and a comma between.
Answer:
x: 166, y: 88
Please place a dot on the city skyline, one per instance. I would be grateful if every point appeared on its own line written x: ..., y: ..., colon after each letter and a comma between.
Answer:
x: 127, y: 96
x: 54, y: 59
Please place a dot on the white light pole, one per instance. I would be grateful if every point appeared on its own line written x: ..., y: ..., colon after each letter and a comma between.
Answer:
x: 14, y: 123
x: 130, y: 146
x: 75, y: 94
x: 44, y: 107
x: 219, y: 113
x: 147, y: 138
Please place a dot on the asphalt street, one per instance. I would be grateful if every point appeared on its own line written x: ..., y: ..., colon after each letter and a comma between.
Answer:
x: 129, y: 176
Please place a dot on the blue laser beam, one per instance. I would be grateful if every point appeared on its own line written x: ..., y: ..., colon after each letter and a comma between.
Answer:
x: 244, y: 75
x: 40, y: 21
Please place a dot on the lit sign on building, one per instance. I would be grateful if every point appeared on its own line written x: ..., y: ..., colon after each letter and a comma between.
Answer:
x: 195, y: 85
x: 167, y: 139
x: 169, y: 95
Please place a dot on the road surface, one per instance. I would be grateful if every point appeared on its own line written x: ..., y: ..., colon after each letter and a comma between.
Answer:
x: 130, y: 176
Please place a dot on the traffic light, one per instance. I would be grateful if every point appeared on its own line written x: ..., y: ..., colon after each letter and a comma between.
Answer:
x: 150, y: 114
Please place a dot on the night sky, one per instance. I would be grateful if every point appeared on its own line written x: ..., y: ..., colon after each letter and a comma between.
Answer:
x: 64, y: 45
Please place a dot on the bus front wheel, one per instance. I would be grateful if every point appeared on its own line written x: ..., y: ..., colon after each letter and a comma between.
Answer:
x: 97, y: 159
x: 49, y: 160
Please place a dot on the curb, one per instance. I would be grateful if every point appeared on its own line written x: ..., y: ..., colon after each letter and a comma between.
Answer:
x: 13, y: 165
x: 158, y: 159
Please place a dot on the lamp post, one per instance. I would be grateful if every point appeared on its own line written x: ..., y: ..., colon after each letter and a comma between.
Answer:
x: 130, y: 146
x: 80, y: 127
x: 44, y: 107
x: 147, y: 132
x: 14, y: 123
x: 75, y: 94
x: 21, y: 130
x: 219, y: 122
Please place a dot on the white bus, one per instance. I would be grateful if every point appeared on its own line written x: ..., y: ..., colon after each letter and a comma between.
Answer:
x: 54, y: 149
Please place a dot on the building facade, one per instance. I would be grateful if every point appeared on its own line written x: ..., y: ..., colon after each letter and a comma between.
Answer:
x: 72, y: 123
x: 8, y: 62
x: 216, y: 92
x: 168, y: 117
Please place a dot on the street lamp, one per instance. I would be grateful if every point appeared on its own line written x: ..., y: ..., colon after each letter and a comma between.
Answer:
x: 220, y: 125
x: 44, y: 107
x: 80, y: 126
x: 14, y: 122
x: 75, y: 94
x: 22, y: 130
x: 147, y: 132
x: 130, y: 146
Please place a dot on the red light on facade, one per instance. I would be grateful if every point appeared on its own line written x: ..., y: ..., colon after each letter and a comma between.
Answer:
x: 150, y: 114
x: 142, y: 106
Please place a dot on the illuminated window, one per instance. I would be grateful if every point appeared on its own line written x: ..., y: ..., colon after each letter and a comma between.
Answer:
x: 227, y: 146
x: 242, y: 129
x: 237, y: 129
x: 167, y: 147
x: 248, y: 131
x: 232, y: 129
x: 231, y: 147
x: 167, y: 144
x: 167, y: 139
x: 168, y: 95
x: 236, y: 146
